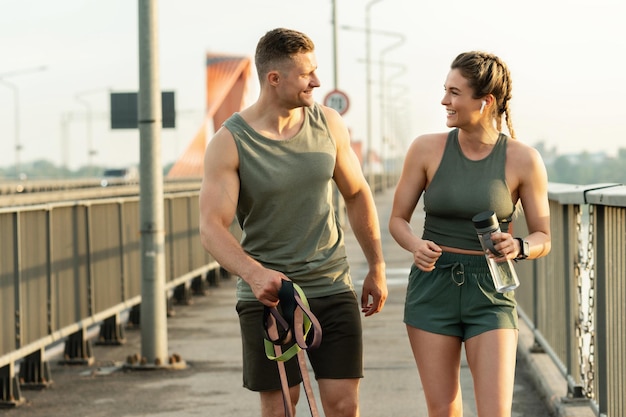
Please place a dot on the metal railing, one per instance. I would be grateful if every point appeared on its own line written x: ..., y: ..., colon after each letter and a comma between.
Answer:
x: 67, y: 266
x: 574, y: 299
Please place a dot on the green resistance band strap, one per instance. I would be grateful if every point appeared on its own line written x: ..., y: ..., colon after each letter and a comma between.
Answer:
x: 296, y: 321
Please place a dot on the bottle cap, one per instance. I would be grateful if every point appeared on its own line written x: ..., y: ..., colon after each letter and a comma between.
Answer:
x: 485, y: 220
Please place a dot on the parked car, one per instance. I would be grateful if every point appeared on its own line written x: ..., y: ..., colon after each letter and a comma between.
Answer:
x: 119, y: 176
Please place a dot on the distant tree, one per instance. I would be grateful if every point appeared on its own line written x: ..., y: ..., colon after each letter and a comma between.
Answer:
x: 546, y: 154
x: 586, y: 168
x: 583, y: 168
x: 43, y: 169
x: 561, y: 170
x: 90, y: 171
x: 584, y: 172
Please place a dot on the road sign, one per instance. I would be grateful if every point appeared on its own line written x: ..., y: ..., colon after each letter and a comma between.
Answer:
x: 337, y: 100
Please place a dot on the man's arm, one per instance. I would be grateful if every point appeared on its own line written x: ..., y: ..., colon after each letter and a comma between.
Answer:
x: 361, y: 213
x: 218, y: 204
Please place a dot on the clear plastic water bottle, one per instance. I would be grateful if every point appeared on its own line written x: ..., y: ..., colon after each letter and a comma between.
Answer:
x: 503, y: 273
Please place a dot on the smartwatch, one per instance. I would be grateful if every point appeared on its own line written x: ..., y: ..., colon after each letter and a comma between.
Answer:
x: 524, y: 249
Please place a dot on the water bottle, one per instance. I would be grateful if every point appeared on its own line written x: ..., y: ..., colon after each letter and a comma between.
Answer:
x: 503, y: 273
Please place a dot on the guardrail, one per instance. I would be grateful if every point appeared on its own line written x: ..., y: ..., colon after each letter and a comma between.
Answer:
x: 8, y: 187
x: 575, y: 298
x: 67, y: 266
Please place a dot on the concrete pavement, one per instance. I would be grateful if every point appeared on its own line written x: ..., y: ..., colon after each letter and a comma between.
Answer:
x: 206, y: 335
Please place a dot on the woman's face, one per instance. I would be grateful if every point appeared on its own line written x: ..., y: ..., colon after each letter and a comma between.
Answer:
x: 461, y: 108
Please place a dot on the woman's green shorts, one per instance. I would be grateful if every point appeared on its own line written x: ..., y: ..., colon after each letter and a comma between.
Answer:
x: 458, y: 298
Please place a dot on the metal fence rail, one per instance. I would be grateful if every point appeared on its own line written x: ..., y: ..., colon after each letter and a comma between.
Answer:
x: 574, y: 299
x: 68, y: 266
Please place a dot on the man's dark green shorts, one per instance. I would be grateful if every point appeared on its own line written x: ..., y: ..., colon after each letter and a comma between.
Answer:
x: 458, y: 298
x: 339, y: 356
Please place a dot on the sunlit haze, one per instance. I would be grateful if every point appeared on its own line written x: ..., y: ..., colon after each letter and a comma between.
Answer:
x: 565, y: 56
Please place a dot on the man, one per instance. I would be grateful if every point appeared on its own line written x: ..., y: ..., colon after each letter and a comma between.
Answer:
x: 272, y: 165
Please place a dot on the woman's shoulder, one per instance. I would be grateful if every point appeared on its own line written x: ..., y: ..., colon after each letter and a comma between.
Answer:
x: 430, y: 142
x: 426, y: 151
x: 523, y: 154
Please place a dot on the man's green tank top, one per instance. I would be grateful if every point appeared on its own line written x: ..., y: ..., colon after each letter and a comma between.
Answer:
x: 462, y: 188
x: 286, y: 207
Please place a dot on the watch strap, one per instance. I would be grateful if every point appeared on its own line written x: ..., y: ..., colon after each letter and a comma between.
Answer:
x: 523, y: 249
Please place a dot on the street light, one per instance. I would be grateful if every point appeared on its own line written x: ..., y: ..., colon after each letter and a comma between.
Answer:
x: 383, y: 97
x: 335, y: 63
x: 368, y: 92
x: 81, y: 100
x: 388, y: 128
x: 368, y: 63
x: 91, y: 152
x: 16, y: 110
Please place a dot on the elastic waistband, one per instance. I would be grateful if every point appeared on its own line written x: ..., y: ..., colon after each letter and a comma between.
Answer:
x: 448, y: 258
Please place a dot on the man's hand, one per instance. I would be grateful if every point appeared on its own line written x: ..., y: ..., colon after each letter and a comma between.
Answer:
x: 265, y: 285
x: 374, y: 293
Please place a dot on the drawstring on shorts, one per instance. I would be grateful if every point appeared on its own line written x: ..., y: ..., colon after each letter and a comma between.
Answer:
x: 456, y: 268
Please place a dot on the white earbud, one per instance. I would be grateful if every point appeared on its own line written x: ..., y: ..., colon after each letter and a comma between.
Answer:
x: 482, y: 106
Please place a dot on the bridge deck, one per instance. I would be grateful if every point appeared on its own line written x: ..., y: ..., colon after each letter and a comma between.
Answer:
x: 206, y: 335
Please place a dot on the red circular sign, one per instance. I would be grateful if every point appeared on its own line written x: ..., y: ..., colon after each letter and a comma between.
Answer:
x: 337, y: 100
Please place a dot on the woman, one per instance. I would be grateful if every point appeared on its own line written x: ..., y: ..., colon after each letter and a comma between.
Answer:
x: 451, y: 298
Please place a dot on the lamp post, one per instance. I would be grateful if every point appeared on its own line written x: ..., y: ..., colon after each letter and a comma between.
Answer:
x: 368, y: 92
x: 387, y: 123
x: 16, y: 111
x: 383, y: 99
x: 396, y: 114
x: 66, y: 118
x: 335, y: 59
x: 91, y: 152
x: 368, y: 63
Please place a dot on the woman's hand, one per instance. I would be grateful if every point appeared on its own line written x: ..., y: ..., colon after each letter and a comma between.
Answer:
x: 426, y: 254
x: 506, y: 244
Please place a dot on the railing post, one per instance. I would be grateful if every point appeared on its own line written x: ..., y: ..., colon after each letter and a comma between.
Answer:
x: 10, y: 394
x: 35, y: 371
x: 601, y: 323
x: 575, y: 390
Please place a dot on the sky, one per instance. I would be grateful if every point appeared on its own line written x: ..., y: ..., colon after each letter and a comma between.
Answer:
x: 63, y: 58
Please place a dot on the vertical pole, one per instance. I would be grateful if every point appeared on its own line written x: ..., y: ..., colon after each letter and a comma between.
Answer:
x: 88, y: 125
x: 335, y: 56
x: 16, y: 101
x: 383, y: 133
x: 18, y: 143
x: 368, y: 99
x: 65, y: 151
x: 17, y: 281
x: 153, y: 296
x: 337, y: 195
x: 16, y: 118
x: 603, y: 375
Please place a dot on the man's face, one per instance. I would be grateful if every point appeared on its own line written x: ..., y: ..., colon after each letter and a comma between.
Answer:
x: 298, y: 79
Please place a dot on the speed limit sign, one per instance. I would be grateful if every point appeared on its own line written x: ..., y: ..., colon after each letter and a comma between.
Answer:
x: 337, y: 100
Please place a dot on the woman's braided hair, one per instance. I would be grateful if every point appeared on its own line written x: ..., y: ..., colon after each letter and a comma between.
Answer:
x: 488, y: 74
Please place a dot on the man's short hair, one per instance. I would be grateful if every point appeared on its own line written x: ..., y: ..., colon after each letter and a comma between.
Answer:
x: 279, y: 45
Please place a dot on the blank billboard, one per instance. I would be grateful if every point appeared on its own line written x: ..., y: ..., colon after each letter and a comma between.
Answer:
x: 124, y: 110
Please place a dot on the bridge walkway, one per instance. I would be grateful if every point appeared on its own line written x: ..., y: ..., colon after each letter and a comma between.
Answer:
x: 205, y: 334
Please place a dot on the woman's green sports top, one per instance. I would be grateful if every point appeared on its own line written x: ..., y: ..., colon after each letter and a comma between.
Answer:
x: 462, y: 188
